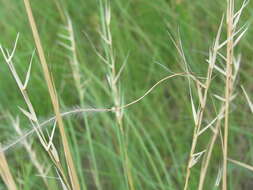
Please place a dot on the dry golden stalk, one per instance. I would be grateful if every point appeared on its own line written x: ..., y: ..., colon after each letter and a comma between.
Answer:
x: 54, y: 99
x: 6, y: 174
x: 247, y: 166
x: 228, y: 92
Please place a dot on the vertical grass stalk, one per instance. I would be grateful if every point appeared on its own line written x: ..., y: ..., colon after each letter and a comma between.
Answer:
x: 5, y: 173
x: 229, y: 66
x: 54, y: 99
x: 113, y: 77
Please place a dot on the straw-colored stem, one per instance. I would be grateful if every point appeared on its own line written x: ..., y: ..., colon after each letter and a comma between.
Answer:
x: 6, y: 174
x: 229, y: 64
x: 53, y: 96
x: 198, y: 126
x: 208, y: 154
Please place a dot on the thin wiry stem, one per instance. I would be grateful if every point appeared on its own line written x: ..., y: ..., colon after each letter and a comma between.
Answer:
x: 93, y: 110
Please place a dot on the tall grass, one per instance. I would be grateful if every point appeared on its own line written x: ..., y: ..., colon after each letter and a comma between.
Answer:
x: 54, y: 99
x: 134, y: 134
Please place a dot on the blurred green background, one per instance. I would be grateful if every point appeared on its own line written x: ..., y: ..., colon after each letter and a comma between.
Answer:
x: 159, y: 128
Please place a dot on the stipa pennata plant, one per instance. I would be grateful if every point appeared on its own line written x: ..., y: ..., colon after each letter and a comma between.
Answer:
x: 202, y: 86
x: 230, y: 74
x: 73, y: 178
x: 113, y: 76
x: 67, y: 41
x: 45, y: 140
x: 198, y: 114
